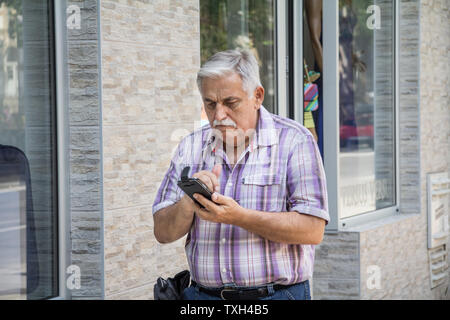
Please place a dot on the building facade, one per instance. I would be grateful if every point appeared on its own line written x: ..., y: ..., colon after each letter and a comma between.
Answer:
x: 116, y: 87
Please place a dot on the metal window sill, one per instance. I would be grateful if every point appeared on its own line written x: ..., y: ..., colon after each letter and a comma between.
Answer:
x: 378, y: 222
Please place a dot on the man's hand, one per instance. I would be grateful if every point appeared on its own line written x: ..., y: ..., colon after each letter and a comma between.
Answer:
x: 221, y: 209
x: 210, y: 179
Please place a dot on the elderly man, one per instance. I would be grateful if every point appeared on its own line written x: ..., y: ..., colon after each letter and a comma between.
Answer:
x: 256, y: 238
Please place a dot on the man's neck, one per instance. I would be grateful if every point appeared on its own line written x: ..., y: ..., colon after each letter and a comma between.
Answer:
x: 234, y: 152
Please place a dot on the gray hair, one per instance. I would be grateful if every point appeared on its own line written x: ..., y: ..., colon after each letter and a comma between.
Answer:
x: 223, y: 63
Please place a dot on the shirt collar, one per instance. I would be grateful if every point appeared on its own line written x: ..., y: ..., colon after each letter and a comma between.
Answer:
x: 265, y: 130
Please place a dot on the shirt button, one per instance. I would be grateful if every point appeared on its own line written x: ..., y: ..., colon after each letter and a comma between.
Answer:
x: 224, y: 240
x: 230, y: 184
x: 224, y: 270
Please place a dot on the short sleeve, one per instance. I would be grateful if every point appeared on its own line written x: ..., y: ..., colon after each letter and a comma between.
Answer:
x: 306, y: 182
x: 169, y: 193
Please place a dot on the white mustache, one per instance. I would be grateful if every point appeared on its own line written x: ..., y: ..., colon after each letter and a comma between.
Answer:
x: 226, y: 122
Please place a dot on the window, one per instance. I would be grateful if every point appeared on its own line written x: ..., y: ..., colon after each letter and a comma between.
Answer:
x: 347, y: 49
x: 366, y: 106
x: 28, y: 178
x: 357, y: 118
x: 245, y: 24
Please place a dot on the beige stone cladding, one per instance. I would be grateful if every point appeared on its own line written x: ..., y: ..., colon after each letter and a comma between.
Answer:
x: 435, y: 101
x: 150, y: 57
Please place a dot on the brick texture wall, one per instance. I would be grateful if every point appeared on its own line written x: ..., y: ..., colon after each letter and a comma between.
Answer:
x: 150, y: 57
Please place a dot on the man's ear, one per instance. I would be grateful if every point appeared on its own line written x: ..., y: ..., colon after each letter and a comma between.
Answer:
x: 259, y: 97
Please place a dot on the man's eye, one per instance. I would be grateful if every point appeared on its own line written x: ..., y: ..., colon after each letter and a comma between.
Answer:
x: 211, y: 105
x: 232, y: 105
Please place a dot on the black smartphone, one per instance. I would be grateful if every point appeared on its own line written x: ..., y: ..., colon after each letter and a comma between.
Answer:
x: 193, y: 185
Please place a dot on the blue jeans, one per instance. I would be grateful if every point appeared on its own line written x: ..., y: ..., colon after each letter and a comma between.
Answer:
x: 299, y: 291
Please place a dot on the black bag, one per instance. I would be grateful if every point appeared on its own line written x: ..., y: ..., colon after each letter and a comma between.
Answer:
x: 172, y: 288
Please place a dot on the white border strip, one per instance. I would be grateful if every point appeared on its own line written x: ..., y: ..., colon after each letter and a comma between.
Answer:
x: 331, y: 107
x: 100, y: 121
x: 397, y: 103
x: 298, y: 61
x: 282, y: 108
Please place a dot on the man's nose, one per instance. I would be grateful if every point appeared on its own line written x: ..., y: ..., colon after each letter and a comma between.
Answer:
x: 221, y: 112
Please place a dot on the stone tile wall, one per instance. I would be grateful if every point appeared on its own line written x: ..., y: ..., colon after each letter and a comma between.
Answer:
x: 150, y: 58
x: 85, y: 178
x: 337, y: 267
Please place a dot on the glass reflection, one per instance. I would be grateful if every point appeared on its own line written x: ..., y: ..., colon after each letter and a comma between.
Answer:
x: 244, y: 24
x: 366, y: 105
x: 28, y: 238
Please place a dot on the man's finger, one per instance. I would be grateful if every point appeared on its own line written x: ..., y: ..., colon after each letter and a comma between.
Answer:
x: 201, y: 199
x: 214, y: 179
x: 205, y: 202
x: 204, y: 214
x: 206, y: 179
x: 196, y: 205
x: 218, y: 198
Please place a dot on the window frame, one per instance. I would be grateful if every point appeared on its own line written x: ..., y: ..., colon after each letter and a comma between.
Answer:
x: 281, y: 58
x: 290, y: 59
x: 56, y: 150
x: 331, y: 122
x: 298, y: 60
x: 62, y: 143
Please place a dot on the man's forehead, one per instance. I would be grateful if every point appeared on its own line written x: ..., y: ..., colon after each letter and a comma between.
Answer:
x: 226, y: 77
x: 225, y: 84
x: 223, y: 98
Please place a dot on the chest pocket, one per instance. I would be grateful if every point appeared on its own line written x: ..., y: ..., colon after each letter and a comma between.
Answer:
x: 262, y: 192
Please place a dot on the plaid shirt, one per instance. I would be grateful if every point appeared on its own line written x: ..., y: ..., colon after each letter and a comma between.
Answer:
x: 281, y: 170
